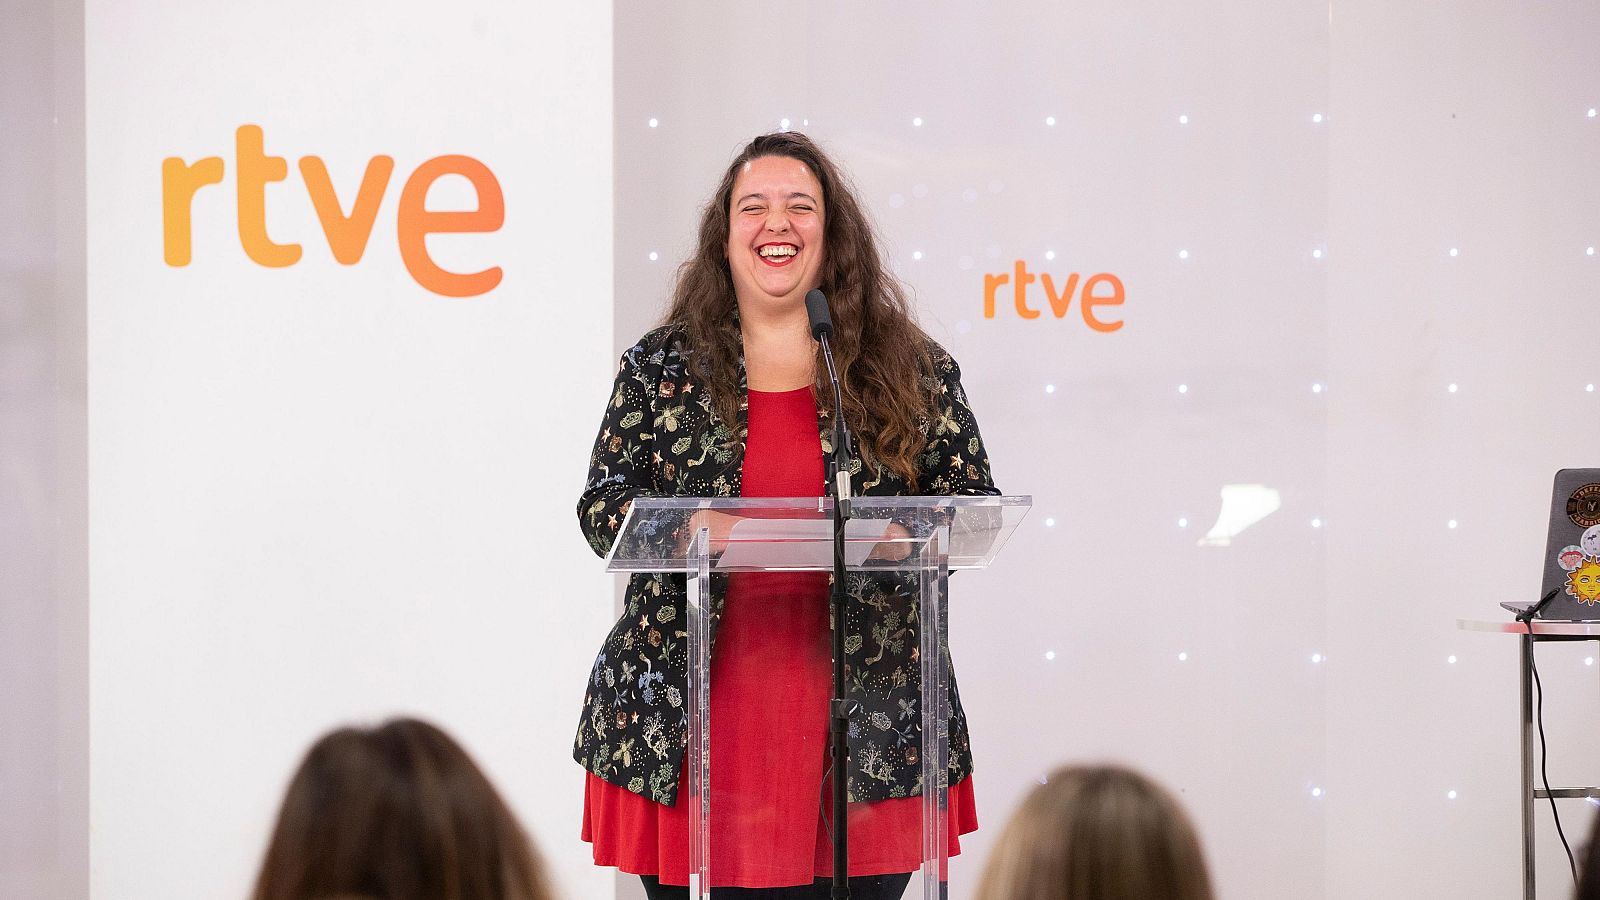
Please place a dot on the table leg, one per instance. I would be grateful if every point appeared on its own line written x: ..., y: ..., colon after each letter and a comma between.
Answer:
x: 1527, y: 767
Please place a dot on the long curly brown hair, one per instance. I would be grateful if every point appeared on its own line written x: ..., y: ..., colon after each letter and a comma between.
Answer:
x: 885, y: 360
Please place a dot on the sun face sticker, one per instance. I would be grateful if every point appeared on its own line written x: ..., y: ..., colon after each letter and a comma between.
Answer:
x: 1584, y: 582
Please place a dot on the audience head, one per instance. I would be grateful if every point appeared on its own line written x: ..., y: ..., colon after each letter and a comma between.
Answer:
x: 1589, y: 883
x: 397, y: 812
x: 1097, y: 833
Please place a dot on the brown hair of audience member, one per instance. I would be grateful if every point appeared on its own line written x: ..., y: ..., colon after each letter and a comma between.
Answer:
x: 1589, y: 883
x: 397, y: 812
x: 1097, y: 833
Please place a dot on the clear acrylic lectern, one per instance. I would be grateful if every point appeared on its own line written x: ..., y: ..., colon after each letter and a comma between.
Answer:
x: 900, y: 552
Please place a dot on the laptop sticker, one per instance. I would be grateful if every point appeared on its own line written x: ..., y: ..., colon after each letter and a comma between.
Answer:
x: 1583, y: 507
x: 1584, y: 582
x: 1590, y: 542
x: 1569, y: 558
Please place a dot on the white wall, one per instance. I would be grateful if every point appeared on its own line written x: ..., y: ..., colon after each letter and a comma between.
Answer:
x: 1466, y: 126
x: 44, y: 646
x: 325, y: 493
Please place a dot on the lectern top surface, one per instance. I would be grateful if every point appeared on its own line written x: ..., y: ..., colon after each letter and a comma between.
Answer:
x: 796, y: 533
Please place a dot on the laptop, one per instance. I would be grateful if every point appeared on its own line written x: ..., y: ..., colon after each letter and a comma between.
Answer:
x: 1571, y: 587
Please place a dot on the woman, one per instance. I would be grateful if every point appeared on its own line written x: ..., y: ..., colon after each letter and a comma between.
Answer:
x: 1097, y: 833
x: 397, y: 812
x: 726, y: 399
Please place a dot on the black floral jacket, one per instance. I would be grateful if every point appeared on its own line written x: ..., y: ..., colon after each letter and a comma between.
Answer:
x: 660, y: 437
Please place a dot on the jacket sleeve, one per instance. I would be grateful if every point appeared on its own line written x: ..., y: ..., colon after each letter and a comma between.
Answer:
x: 620, y: 467
x: 955, y: 461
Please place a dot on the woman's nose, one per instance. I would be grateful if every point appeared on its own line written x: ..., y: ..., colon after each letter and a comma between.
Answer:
x: 778, y: 221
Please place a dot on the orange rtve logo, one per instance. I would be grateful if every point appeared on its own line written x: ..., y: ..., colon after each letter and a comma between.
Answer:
x: 1090, y: 297
x: 347, y: 234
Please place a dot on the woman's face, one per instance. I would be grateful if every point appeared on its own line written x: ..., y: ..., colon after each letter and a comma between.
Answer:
x: 775, y: 233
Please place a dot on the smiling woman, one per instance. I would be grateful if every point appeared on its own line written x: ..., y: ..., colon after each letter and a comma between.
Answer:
x: 775, y: 234
x: 723, y: 400
x: 722, y: 310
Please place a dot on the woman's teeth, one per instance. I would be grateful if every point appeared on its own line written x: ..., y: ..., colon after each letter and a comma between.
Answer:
x: 772, y: 250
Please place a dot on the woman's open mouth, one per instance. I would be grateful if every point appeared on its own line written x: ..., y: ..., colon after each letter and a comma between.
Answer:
x: 777, y: 255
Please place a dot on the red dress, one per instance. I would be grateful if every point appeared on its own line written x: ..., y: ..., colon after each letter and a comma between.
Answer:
x: 771, y: 677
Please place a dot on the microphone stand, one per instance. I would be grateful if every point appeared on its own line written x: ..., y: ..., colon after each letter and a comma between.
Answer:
x: 839, y: 708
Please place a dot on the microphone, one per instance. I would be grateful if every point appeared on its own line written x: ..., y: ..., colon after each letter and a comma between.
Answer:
x: 821, y: 321
x: 821, y: 330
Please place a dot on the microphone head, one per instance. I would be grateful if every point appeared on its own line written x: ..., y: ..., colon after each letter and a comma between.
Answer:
x: 817, y: 310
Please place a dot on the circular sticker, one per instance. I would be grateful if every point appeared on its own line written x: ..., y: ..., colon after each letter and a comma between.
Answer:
x: 1583, y: 507
x: 1570, y: 557
x: 1590, y: 542
x: 1584, y: 582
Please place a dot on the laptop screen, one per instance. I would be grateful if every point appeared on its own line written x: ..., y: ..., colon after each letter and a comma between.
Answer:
x: 1572, y: 550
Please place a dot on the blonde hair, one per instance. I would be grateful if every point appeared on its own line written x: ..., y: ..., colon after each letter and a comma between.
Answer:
x: 1097, y: 833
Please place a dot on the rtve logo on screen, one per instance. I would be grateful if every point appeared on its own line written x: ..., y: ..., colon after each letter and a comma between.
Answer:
x: 1099, y: 290
x: 347, y: 235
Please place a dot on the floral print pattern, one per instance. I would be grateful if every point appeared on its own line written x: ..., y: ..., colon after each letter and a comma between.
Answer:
x: 660, y: 437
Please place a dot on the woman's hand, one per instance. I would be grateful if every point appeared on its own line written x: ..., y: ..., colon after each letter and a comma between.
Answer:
x: 719, y: 523
x: 893, y: 546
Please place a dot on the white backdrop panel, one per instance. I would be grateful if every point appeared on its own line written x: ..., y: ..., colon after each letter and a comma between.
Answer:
x: 1465, y: 198
x: 323, y: 493
x: 1176, y: 148
x: 1278, y: 185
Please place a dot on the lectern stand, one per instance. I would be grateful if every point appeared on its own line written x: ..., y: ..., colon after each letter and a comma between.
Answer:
x: 906, y: 545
